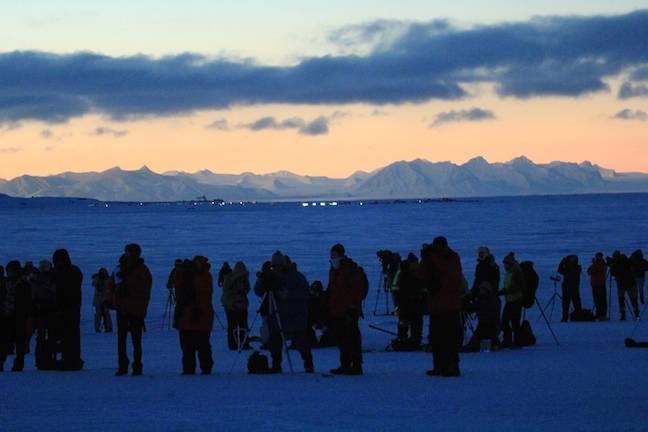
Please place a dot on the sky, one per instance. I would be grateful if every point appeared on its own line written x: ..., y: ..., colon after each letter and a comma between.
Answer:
x: 319, y: 88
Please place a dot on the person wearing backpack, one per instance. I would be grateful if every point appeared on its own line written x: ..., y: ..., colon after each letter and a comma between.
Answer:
x: 639, y: 268
x: 597, y: 272
x: 513, y: 290
x: 347, y: 287
x: 236, y: 286
x: 45, y: 306
x: 442, y: 276
x: 571, y: 272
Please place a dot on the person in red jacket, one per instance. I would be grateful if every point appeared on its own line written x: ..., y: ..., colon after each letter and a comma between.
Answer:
x: 598, y: 273
x: 441, y: 273
x: 194, y: 314
x: 347, y: 290
x: 132, y: 294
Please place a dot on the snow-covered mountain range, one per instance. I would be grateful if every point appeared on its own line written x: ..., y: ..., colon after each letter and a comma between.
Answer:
x: 415, y: 179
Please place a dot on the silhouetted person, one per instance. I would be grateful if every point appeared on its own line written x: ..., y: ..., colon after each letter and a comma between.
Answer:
x: 223, y: 272
x: 597, y: 272
x: 234, y: 299
x: 442, y: 276
x: 287, y: 311
x: 487, y: 304
x: 67, y: 279
x: 45, y: 316
x: 639, y: 268
x: 621, y: 269
x: 513, y: 290
x: 101, y: 300
x: 409, y: 295
x: 346, y: 291
x: 132, y: 295
x: 194, y: 314
x: 571, y: 272
x: 318, y: 316
x: 17, y: 306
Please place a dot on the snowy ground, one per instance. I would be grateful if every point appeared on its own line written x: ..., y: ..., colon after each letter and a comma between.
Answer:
x: 589, y: 383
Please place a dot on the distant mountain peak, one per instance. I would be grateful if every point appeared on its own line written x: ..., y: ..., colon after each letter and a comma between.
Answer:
x: 521, y: 160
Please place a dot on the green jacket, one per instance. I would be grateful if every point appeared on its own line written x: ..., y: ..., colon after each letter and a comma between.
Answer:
x: 513, y: 284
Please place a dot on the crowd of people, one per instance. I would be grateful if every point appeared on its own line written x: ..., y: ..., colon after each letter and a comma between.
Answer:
x: 46, y: 301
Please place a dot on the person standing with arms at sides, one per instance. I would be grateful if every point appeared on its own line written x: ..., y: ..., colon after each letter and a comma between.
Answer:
x: 597, y: 272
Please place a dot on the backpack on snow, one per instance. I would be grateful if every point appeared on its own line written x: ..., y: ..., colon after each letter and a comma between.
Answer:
x: 582, y: 315
x: 258, y: 363
x: 531, y: 282
x: 525, y: 336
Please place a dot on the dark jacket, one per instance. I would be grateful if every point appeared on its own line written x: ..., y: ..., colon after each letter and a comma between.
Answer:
x: 345, y: 289
x: 621, y: 269
x: 597, y: 273
x: 486, y: 272
x: 442, y: 275
x: 68, y: 279
x: 571, y: 272
x: 195, y: 311
x: 133, y: 293
x: 291, y: 297
x: 639, y: 265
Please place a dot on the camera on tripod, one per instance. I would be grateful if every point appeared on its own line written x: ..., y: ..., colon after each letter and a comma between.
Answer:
x: 389, y: 261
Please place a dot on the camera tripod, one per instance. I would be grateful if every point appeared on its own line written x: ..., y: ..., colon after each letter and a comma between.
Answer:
x: 554, y: 297
x: 544, y: 316
x: 273, y: 312
x: 383, y: 287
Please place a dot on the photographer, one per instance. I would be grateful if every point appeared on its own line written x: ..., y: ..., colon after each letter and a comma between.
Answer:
x: 442, y: 276
x: 318, y: 318
x: 597, y: 272
x: 347, y: 288
x: 513, y: 291
x: 45, y: 319
x: 621, y: 269
x: 132, y: 295
x: 234, y: 299
x: 194, y: 314
x: 571, y: 272
x: 285, y: 294
x: 15, y: 314
x: 483, y: 298
x: 409, y: 296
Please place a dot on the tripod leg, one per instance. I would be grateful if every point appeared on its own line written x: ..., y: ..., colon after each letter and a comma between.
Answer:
x: 547, y: 321
x: 636, y: 326
x: 220, y: 323
x: 247, y: 335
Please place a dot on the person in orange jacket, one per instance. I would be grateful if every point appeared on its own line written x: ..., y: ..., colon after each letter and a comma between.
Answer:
x: 133, y: 282
x: 194, y: 314
x: 597, y: 272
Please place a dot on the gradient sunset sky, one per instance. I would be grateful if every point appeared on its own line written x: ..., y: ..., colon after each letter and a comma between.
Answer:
x: 319, y: 88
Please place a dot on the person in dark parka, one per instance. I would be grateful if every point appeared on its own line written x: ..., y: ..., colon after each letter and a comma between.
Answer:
x: 194, y: 314
x: 346, y: 293
x: 132, y: 295
x: 513, y: 289
x: 442, y: 275
x: 639, y: 268
x: 621, y: 270
x: 571, y: 272
x: 17, y: 311
x: 45, y: 316
x: 408, y: 291
x: 234, y: 299
x: 597, y: 272
x: 67, y: 279
x: 287, y: 311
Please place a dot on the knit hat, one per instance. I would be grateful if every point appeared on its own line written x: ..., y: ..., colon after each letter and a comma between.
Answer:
x: 278, y: 259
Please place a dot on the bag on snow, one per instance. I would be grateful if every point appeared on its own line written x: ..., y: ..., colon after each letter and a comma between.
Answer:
x: 531, y: 282
x: 258, y: 363
x: 582, y: 315
x: 525, y: 336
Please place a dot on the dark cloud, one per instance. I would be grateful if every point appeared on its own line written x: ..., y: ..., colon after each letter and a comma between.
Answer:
x: 629, y: 90
x: 101, y: 131
x: 220, y: 124
x: 455, y: 116
x: 628, y: 114
x: 319, y: 126
x: 405, y: 63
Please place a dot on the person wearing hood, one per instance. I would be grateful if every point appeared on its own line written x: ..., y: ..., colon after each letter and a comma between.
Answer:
x: 236, y: 286
x: 347, y: 289
x: 442, y: 276
x: 513, y: 290
x: 621, y: 270
x: 45, y: 308
x: 67, y: 279
x: 286, y: 298
x: 409, y: 295
x: 132, y: 294
x: 194, y: 314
